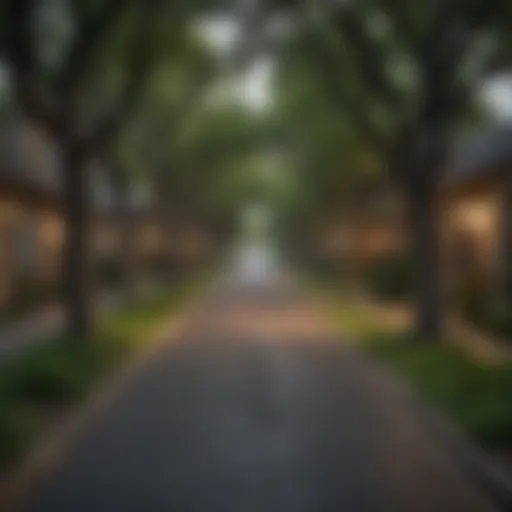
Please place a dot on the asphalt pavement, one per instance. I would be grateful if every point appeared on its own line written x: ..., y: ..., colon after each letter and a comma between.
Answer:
x: 257, y: 407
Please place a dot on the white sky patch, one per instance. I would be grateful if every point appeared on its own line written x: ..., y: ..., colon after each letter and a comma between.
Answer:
x: 4, y: 77
x: 255, y: 84
x: 497, y: 95
x: 221, y: 33
x: 252, y: 86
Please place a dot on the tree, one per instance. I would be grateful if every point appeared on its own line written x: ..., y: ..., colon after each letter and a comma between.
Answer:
x: 214, y: 152
x: 148, y: 147
x: 429, y: 47
x: 81, y: 90
x: 332, y: 162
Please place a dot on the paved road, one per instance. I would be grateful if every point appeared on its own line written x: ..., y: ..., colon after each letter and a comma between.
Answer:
x: 258, y: 408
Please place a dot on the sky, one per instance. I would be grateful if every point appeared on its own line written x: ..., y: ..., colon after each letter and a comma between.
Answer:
x: 253, y: 87
x: 497, y: 94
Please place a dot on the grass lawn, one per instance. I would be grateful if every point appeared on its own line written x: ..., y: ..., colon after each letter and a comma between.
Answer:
x: 476, y: 395
x: 50, y: 378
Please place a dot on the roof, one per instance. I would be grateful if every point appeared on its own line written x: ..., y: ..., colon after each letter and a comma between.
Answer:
x: 30, y: 165
x: 480, y: 154
x: 27, y: 160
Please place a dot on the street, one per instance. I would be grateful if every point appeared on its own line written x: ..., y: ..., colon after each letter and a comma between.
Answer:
x: 258, y: 407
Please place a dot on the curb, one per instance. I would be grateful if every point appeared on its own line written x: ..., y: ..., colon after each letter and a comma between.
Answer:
x: 487, y: 473
x: 492, y: 477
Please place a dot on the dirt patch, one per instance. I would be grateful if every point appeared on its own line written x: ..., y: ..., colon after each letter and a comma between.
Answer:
x: 279, y: 323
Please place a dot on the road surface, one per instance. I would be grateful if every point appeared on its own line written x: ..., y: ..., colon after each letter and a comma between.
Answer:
x: 257, y: 408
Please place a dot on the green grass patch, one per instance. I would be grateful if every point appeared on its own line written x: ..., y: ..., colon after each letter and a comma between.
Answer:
x: 474, y: 394
x: 390, y: 277
x: 355, y: 320
x: 62, y: 371
x: 18, y: 428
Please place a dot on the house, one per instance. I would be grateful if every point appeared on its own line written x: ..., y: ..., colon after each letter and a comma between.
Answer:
x: 127, y: 229
x: 475, y: 192
x: 31, y: 222
x: 361, y: 234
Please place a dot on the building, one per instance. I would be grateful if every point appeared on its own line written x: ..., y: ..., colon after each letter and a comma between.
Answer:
x: 31, y: 221
x: 475, y: 202
x: 477, y: 196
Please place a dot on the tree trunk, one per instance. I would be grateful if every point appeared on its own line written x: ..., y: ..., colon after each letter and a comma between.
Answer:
x: 126, y: 229
x: 425, y: 245
x: 172, y: 227
x: 77, y: 246
x: 129, y: 256
x: 505, y: 284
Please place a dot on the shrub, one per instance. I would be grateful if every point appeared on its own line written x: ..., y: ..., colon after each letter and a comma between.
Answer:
x: 475, y: 395
x: 61, y: 371
x: 330, y: 269
x: 56, y: 373
x: 49, y: 380
x: 390, y: 277
x: 110, y: 272
x: 17, y: 429
x: 161, y: 266
x: 471, y: 297
x: 28, y: 294
x: 499, y: 318
x: 484, y: 310
x: 326, y: 268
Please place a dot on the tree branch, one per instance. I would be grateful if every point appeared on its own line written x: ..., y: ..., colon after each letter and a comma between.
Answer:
x: 439, y: 58
x: 90, y: 34
x: 142, y: 56
x: 371, y: 58
x: 19, y: 48
x: 349, y: 99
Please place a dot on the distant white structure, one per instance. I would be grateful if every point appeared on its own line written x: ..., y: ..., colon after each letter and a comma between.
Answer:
x: 256, y: 222
x: 497, y: 95
x: 255, y: 257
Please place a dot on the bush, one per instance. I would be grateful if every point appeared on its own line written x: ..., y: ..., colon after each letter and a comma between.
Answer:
x: 28, y: 294
x: 54, y: 374
x: 481, y: 308
x: 161, y: 266
x: 17, y: 429
x: 499, y: 318
x: 326, y: 268
x: 330, y: 269
x: 471, y: 297
x: 475, y: 395
x: 62, y: 371
x: 494, y: 316
x: 110, y: 272
x: 391, y: 277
